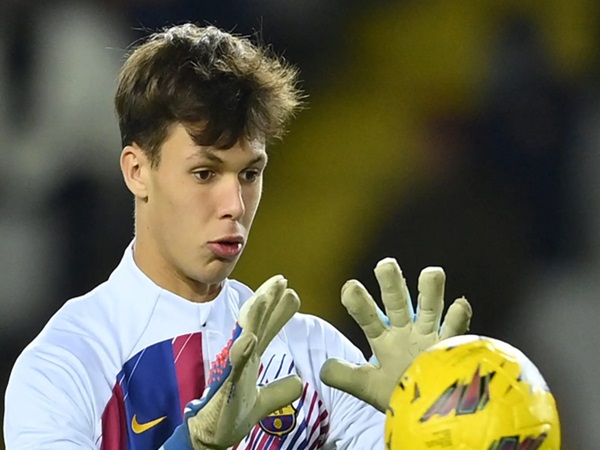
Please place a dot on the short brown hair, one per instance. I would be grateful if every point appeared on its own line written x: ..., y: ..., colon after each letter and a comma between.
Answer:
x: 220, y: 87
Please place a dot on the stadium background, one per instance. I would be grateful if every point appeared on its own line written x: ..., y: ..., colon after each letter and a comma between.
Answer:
x: 458, y: 133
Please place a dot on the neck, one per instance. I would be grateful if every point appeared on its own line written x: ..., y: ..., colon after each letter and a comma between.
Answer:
x: 166, y: 277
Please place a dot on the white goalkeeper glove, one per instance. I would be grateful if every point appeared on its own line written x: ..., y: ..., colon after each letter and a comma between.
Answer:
x: 395, y: 346
x: 232, y: 402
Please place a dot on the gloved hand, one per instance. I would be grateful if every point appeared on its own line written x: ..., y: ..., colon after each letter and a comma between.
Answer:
x: 232, y: 402
x: 394, y: 346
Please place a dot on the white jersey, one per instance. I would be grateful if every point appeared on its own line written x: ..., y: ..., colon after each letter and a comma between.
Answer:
x: 114, y: 369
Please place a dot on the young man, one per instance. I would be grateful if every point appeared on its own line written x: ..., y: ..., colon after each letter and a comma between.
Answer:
x: 114, y: 369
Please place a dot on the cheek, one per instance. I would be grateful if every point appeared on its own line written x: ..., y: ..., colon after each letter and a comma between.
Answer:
x: 176, y: 208
x: 252, y: 199
x: 191, y: 209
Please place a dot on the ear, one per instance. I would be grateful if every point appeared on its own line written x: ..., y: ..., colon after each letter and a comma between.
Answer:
x: 135, y: 168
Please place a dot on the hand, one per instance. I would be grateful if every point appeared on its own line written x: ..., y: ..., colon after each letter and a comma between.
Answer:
x: 232, y: 403
x: 395, y: 346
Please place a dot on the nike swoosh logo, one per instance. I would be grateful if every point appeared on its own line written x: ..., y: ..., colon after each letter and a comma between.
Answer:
x: 139, y: 428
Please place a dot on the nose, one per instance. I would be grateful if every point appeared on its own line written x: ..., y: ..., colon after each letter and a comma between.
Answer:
x: 231, y: 201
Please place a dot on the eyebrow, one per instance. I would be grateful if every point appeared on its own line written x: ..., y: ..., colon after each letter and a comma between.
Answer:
x: 211, y: 156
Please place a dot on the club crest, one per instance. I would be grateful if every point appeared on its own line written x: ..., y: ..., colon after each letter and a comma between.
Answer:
x: 279, y: 422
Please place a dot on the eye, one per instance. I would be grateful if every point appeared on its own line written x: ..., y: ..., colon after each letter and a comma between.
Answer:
x: 251, y: 175
x: 204, y: 175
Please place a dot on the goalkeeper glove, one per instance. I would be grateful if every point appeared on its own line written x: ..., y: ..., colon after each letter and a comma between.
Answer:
x: 232, y: 402
x: 394, y: 346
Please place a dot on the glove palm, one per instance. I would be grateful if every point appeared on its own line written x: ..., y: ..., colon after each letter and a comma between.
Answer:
x: 394, y: 346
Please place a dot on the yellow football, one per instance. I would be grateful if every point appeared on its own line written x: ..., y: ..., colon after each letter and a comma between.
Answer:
x: 472, y: 393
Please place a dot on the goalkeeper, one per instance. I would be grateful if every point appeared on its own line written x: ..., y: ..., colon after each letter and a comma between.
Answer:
x: 169, y: 352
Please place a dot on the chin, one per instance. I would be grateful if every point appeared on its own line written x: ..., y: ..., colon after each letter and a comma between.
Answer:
x: 216, y: 271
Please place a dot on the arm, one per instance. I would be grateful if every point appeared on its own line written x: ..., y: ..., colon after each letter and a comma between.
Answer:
x: 47, y: 405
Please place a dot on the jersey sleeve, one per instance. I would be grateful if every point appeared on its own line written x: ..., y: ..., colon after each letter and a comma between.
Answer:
x: 46, y: 406
x: 353, y: 424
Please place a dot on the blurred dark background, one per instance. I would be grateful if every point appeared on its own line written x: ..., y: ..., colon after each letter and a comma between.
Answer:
x: 455, y: 133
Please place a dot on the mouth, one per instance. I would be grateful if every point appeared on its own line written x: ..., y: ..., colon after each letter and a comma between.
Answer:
x: 228, y: 247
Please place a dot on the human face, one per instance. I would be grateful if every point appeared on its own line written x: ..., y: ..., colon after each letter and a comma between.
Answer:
x: 194, y: 222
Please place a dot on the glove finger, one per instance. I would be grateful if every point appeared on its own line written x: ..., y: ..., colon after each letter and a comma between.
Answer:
x: 276, y: 395
x: 394, y: 292
x: 354, y: 380
x: 363, y: 309
x: 285, y: 308
x: 239, y: 354
x: 431, y: 300
x: 272, y: 298
x: 255, y: 311
x: 458, y: 319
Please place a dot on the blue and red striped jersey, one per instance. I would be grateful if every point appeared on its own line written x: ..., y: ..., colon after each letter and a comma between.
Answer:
x: 114, y: 369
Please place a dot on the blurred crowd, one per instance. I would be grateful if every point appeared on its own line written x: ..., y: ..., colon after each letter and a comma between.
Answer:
x: 463, y: 134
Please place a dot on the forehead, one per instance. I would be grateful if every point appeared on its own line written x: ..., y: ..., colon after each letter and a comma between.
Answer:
x: 242, y: 150
x: 180, y: 142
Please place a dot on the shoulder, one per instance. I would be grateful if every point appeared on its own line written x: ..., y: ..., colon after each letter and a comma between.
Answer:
x: 102, y: 313
x: 310, y: 325
x: 96, y: 330
x: 77, y: 319
x: 320, y: 338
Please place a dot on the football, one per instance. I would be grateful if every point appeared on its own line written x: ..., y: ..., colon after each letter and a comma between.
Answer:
x: 472, y: 393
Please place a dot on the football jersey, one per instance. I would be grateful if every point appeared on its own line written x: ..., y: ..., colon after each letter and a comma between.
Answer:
x: 114, y: 369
